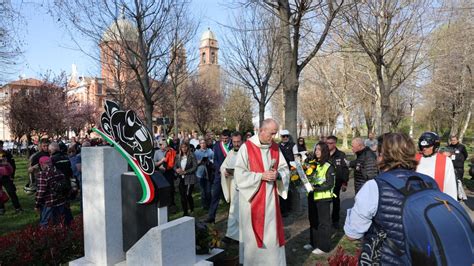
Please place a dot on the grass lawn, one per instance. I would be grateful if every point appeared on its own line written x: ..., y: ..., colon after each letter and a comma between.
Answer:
x: 11, y: 221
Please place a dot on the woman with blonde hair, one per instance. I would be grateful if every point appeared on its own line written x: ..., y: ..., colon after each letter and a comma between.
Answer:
x: 403, y: 217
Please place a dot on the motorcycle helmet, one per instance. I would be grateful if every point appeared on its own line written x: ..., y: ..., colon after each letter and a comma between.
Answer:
x: 429, y: 139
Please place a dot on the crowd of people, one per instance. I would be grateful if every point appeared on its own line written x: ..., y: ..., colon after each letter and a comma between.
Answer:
x: 54, y: 178
x: 251, y: 172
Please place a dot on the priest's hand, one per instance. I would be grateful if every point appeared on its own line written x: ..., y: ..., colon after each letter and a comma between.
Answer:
x: 269, y: 176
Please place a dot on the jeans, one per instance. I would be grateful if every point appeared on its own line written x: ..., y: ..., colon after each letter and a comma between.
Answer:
x: 216, y: 195
x: 205, y: 192
x: 186, y: 193
x: 7, y: 183
x: 55, y: 215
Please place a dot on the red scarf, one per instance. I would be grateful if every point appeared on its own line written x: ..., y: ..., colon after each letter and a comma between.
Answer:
x: 440, y: 169
x: 258, y: 202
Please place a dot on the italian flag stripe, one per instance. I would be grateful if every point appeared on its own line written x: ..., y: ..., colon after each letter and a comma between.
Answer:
x: 144, y: 179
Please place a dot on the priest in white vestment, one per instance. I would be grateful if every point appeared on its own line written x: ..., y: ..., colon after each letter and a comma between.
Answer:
x: 229, y: 188
x: 436, y: 165
x: 261, y: 174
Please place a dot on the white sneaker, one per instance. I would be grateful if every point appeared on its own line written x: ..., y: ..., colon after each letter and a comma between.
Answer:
x: 318, y: 252
x: 308, y: 247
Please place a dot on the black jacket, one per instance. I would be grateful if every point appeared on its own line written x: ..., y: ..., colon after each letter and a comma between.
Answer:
x: 34, y: 159
x: 460, y: 155
x: 62, y: 163
x: 338, y: 160
x: 287, y: 150
x: 365, y: 167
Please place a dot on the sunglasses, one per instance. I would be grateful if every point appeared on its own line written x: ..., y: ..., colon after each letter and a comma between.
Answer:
x: 285, y: 136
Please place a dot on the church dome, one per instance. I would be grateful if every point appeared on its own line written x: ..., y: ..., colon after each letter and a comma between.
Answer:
x: 208, y: 38
x: 208, y: 34
x: 119, y: 30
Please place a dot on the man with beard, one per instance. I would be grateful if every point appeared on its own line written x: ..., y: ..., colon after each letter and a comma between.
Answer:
x: 229, y: 188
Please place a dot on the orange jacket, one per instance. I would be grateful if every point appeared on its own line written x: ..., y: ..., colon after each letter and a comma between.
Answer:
x: 169, y: 158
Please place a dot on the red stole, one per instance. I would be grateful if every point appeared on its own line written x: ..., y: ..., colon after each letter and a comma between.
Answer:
x: 258, y: 202
x: 440, y: 169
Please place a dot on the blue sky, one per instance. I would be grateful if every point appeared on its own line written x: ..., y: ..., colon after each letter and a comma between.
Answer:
x: 49, y: 47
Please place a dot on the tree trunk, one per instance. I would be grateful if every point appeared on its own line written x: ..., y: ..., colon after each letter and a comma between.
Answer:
x: 175, y: 114
x: 291, y: 103
x: 454, y: 122
x: 412, y: 118
x: 466, y: 123
x: 289, y: 62
x: 378, y: 113
x: 261, y: 113
x: 149, y: 116
x: 347, y: 128
x: 384, y: 101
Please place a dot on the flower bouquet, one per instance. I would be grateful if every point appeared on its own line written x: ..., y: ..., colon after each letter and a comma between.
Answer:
x: 301, y: 172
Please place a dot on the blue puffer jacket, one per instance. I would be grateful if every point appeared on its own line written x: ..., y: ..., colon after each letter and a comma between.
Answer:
x: 389, y: 220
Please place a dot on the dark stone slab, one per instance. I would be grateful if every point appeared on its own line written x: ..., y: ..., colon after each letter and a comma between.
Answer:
x: 137, y: 219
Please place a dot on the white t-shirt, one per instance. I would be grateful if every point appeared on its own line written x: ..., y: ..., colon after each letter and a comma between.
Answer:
x: 427, y: 167
x: 184, y: 160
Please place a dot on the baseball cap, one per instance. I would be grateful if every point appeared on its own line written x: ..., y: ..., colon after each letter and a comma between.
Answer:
x: 284, y: 132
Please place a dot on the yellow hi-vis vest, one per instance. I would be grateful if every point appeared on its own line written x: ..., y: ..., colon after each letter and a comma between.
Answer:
x: 320, y: 179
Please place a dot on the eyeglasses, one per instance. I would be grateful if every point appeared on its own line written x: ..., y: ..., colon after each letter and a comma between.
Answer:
x: 285, y: 136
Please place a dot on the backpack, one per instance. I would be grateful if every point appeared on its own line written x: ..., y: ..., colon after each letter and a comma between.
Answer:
x: 61, y: 186
x: 170, y: 157
x: 437, y: 229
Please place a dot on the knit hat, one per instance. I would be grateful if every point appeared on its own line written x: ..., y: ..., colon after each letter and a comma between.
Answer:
x: 45, y: 160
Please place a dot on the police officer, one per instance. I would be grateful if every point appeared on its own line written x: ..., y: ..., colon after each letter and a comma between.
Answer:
x: 338, y: 159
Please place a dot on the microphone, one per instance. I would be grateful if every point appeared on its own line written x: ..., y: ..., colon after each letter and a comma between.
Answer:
x: 272, y: 164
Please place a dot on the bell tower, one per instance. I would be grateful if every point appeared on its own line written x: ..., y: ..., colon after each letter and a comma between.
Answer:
x: 209, y: 69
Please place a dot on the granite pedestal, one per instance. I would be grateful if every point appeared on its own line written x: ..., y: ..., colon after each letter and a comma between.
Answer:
x: 102, y: 168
